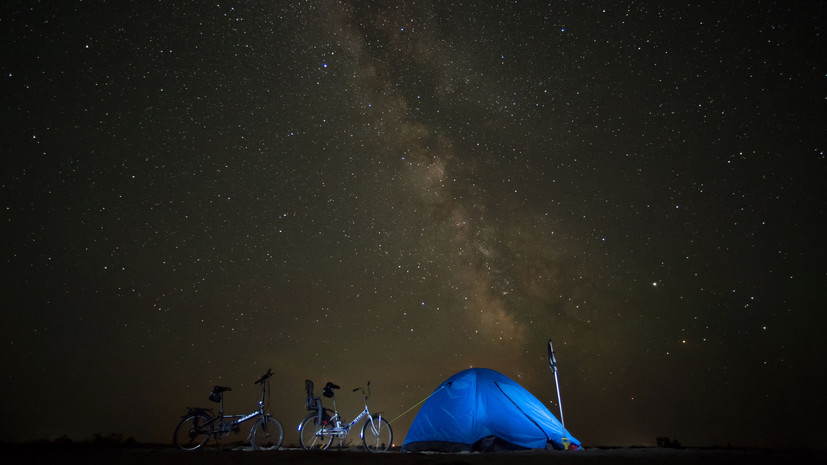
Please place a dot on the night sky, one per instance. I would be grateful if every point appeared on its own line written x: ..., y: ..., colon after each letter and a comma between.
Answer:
x: 195, y: 192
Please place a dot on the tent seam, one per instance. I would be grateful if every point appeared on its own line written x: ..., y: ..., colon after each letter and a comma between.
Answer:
x: 521, y: 411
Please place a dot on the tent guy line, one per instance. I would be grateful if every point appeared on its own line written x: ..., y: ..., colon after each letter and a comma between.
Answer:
x: 416, y: 405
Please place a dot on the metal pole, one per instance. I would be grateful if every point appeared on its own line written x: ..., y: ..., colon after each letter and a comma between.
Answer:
x: 552, y: 363
x: 559, y: 402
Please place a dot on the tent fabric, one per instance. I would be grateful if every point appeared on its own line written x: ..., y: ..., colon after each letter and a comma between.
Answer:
x: 481, y: 409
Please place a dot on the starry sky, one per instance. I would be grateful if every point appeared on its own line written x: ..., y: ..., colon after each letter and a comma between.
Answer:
x: 195, y: 192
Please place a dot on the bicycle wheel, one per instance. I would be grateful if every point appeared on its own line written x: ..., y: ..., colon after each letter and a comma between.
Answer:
x: 193, y: 431
x: 267, y: 434
x: 377, y: 435
x: 310, y: 434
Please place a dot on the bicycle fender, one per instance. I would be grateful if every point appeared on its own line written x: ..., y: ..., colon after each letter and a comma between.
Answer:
x: 194, y: 410
x: 368, y: 419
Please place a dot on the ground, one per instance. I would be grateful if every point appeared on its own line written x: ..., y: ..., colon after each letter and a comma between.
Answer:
x: 164, y: 455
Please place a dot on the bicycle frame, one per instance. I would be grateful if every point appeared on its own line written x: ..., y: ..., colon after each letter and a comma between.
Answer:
x: 224, y: 427
x: 342, y: 430
x: 318, y: 429
x: 198, y: 426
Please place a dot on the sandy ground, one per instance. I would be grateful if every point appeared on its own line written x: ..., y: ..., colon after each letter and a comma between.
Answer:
x: 163, y: 455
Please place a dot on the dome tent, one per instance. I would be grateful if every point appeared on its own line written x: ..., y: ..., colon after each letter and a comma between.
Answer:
x: 481, y: 409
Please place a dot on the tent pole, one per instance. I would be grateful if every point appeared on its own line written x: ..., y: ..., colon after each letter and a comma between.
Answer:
x: 560, y: 402
x: 552, y: 363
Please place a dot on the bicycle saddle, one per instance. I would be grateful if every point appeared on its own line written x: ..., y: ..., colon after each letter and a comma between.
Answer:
x: 328, y: 389
x: 221, y: 389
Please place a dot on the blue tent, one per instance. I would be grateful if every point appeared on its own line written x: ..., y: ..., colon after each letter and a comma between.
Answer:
x: 481, y: 409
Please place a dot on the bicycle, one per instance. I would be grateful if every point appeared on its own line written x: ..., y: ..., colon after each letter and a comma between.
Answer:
x: 318, y: 430
x: 199, y: 424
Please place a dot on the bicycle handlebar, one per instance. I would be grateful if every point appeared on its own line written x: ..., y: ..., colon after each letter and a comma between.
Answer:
x: 363, y: 391
x: 266, y: 375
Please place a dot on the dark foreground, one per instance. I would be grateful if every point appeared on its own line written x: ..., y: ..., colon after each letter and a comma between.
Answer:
x: 169, y: 456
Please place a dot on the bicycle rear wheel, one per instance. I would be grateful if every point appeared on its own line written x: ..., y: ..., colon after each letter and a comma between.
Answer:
x: 193, y: 431
x: 377, y: 435
x: 311, y: 434
x: 267, y: 434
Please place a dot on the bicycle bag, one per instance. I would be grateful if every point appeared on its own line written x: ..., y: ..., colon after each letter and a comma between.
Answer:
x: 215, y: 396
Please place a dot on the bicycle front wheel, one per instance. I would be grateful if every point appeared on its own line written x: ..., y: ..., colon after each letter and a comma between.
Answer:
x: 193, y: 431
x: 377, y: 435
x: 267, y: 434
x: 311, y: 434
